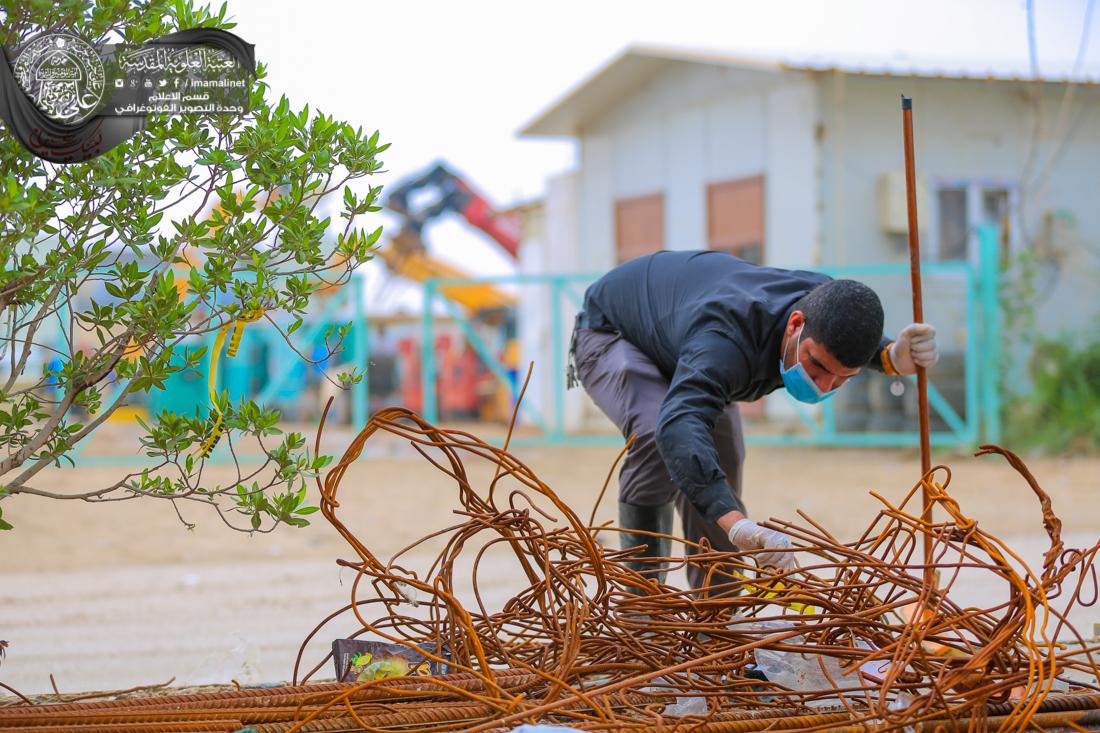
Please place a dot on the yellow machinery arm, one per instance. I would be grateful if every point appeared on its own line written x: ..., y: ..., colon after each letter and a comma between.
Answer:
x: 419, y: 266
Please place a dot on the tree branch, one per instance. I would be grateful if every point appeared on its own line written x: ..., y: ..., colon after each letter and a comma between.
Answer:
x: 46, y: 431
x: 7, y: 294
x: 17, y: 369
x: 31, y: 491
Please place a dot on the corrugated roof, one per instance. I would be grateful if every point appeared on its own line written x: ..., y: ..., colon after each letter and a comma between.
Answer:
x: 636, y: 65
x: 940, y: 70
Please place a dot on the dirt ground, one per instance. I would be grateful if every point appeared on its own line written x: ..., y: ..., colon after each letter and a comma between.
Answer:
x: 119, y: 594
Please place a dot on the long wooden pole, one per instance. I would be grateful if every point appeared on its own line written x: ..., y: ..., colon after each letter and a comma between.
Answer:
x: 918, y: 317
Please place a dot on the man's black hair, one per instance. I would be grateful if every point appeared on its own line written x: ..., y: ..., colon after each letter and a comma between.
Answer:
x: 846, y: 318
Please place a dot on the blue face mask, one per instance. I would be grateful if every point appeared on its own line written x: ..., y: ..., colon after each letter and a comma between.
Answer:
x: 797, y: 380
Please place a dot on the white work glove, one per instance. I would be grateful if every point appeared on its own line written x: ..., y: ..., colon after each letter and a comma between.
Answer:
x: 748, y: 535
x: 915, y: 347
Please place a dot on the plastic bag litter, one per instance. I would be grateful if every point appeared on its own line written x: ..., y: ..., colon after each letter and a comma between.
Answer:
x: 900, y: 704
x: 687, y: 705
x: 802, y: 671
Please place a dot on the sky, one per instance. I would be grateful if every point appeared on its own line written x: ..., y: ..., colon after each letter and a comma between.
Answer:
x: 455, y: 81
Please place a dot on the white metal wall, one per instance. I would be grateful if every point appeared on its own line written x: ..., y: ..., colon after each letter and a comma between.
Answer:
x: 965, y: 130
x: 693, y: 125
x: 822, y: 143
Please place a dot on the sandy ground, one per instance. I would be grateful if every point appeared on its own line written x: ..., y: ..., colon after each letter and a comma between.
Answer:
x: 113, y: 595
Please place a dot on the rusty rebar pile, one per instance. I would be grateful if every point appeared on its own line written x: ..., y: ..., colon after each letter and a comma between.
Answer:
x: 870, y: 645
x: 892, y: 652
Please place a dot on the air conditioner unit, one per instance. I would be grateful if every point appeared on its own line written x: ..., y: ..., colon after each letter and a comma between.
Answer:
x: 893, y: 213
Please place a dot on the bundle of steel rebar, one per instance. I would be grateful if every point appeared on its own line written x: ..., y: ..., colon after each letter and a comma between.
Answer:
x: 853, y: 639
x: 391, y: 705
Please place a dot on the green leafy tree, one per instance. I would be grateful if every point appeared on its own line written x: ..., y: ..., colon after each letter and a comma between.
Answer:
x: 92, y: 308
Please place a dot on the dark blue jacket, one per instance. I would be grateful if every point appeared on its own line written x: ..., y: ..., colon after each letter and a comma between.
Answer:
x: 713, y: 325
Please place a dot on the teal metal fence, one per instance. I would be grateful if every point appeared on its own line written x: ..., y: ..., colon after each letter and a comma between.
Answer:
x: 965, y: 295
x: 282, y: 374
x: 564, y: 294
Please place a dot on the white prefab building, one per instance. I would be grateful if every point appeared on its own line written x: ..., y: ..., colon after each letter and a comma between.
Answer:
x: 796, y: 165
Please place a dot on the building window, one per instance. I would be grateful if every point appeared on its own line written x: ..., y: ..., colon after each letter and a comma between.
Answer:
x: 735, y: 218
x: 963, y: 207
x: 953, y: 223
x: 639, y: 226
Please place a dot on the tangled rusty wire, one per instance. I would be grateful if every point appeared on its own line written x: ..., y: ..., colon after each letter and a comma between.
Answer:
x: 852, y: 639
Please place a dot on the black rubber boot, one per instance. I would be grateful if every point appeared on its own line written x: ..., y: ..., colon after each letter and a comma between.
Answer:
x: 648, y: 519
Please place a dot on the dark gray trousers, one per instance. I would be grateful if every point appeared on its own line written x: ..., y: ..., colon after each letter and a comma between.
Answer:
x: 628, y: 387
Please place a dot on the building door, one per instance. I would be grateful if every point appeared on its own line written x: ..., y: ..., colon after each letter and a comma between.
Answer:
x: 639, y: 226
